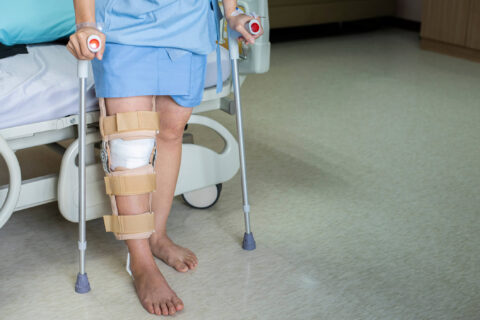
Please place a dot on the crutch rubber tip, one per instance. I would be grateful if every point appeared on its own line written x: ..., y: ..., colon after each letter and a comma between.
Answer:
x: 82, y: 285
x: 248, y: 241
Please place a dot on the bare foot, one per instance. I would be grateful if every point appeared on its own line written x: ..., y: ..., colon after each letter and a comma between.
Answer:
x: 154, y: 293
x: 179, y: 258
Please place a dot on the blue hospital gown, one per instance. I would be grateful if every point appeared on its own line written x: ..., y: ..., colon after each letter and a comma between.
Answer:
x: 180, y: 27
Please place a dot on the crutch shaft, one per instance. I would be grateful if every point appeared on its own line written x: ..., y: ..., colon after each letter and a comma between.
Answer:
x: 243, y: 167
x: 248, y: 240
x: 81, y: 172
x: 82, y: 284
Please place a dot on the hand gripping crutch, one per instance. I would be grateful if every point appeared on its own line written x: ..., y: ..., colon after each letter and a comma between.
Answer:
x: 253, y: 27
x: 82, y: 285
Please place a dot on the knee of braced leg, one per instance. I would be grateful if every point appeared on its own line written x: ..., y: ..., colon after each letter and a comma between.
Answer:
x: 130, y: 154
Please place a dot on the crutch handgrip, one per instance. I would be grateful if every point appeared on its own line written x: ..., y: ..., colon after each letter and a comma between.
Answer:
x: 253, y: 27
x: 82, y: 69
x: 94, y: 44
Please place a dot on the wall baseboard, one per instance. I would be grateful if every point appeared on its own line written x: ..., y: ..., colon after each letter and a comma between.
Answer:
x: 405, y: 24
x: 450, y: 49
x: 341, y: 28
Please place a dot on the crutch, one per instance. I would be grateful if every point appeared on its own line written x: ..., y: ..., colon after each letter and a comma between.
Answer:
x: 82, y: 285
x: 253, y: 27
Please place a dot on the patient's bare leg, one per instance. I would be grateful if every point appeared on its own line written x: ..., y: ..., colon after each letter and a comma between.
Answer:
x: 152, y: 289
x: 173, y: 119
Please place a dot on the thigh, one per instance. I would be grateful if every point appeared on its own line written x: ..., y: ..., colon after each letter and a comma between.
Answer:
x: 127, y: 104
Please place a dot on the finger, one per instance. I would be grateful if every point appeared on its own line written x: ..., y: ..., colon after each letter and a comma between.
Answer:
x: 76, y: 47
x: 70, y: 48
x: 246, y: 35
x: 102, y: 50
x: 87, y: 54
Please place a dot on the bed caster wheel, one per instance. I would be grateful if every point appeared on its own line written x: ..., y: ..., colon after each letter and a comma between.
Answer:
x: 203, y: 198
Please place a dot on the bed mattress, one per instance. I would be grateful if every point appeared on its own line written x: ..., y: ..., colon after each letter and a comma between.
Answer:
x: 43, y: 85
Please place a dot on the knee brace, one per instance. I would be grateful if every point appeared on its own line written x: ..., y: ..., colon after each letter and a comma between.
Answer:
x: 128, y: 157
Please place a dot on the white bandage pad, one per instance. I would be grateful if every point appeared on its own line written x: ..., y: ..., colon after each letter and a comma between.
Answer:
x: 130, y: 154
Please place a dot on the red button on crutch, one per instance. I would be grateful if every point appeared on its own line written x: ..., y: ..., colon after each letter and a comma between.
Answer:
x: 253, y: 26
x: 94, y: 43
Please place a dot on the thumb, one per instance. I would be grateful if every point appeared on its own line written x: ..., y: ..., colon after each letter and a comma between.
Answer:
x: 99, y: 54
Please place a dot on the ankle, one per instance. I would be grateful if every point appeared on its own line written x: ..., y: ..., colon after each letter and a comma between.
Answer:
x: 139, y: 265
x: 140, y: 253
x: 159, y: 236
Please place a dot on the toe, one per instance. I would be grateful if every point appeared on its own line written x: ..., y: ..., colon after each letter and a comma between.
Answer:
x: 171, y: 307
x: 164, y: 308
x: 178, y: 303
x: 180, y: 266
x: 158, y: 311
x: 149, y: 307
x: 192, y: 264
x: 194, y: 258
x: 189, y: 263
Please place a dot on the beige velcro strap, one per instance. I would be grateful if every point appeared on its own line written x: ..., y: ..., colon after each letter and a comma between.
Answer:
x: 127, y: 185
x: 131, y: 121
x: 130, y: 223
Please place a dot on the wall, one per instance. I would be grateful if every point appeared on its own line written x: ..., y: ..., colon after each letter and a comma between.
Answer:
x: 409, y: 9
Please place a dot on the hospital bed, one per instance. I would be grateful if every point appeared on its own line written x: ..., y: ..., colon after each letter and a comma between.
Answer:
x: 39, y: 106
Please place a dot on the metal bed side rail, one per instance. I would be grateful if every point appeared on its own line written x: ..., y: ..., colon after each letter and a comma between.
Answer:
x: 44, y: 132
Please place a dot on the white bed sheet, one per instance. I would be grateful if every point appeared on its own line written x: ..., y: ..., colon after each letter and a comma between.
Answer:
x: 43, y: 85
